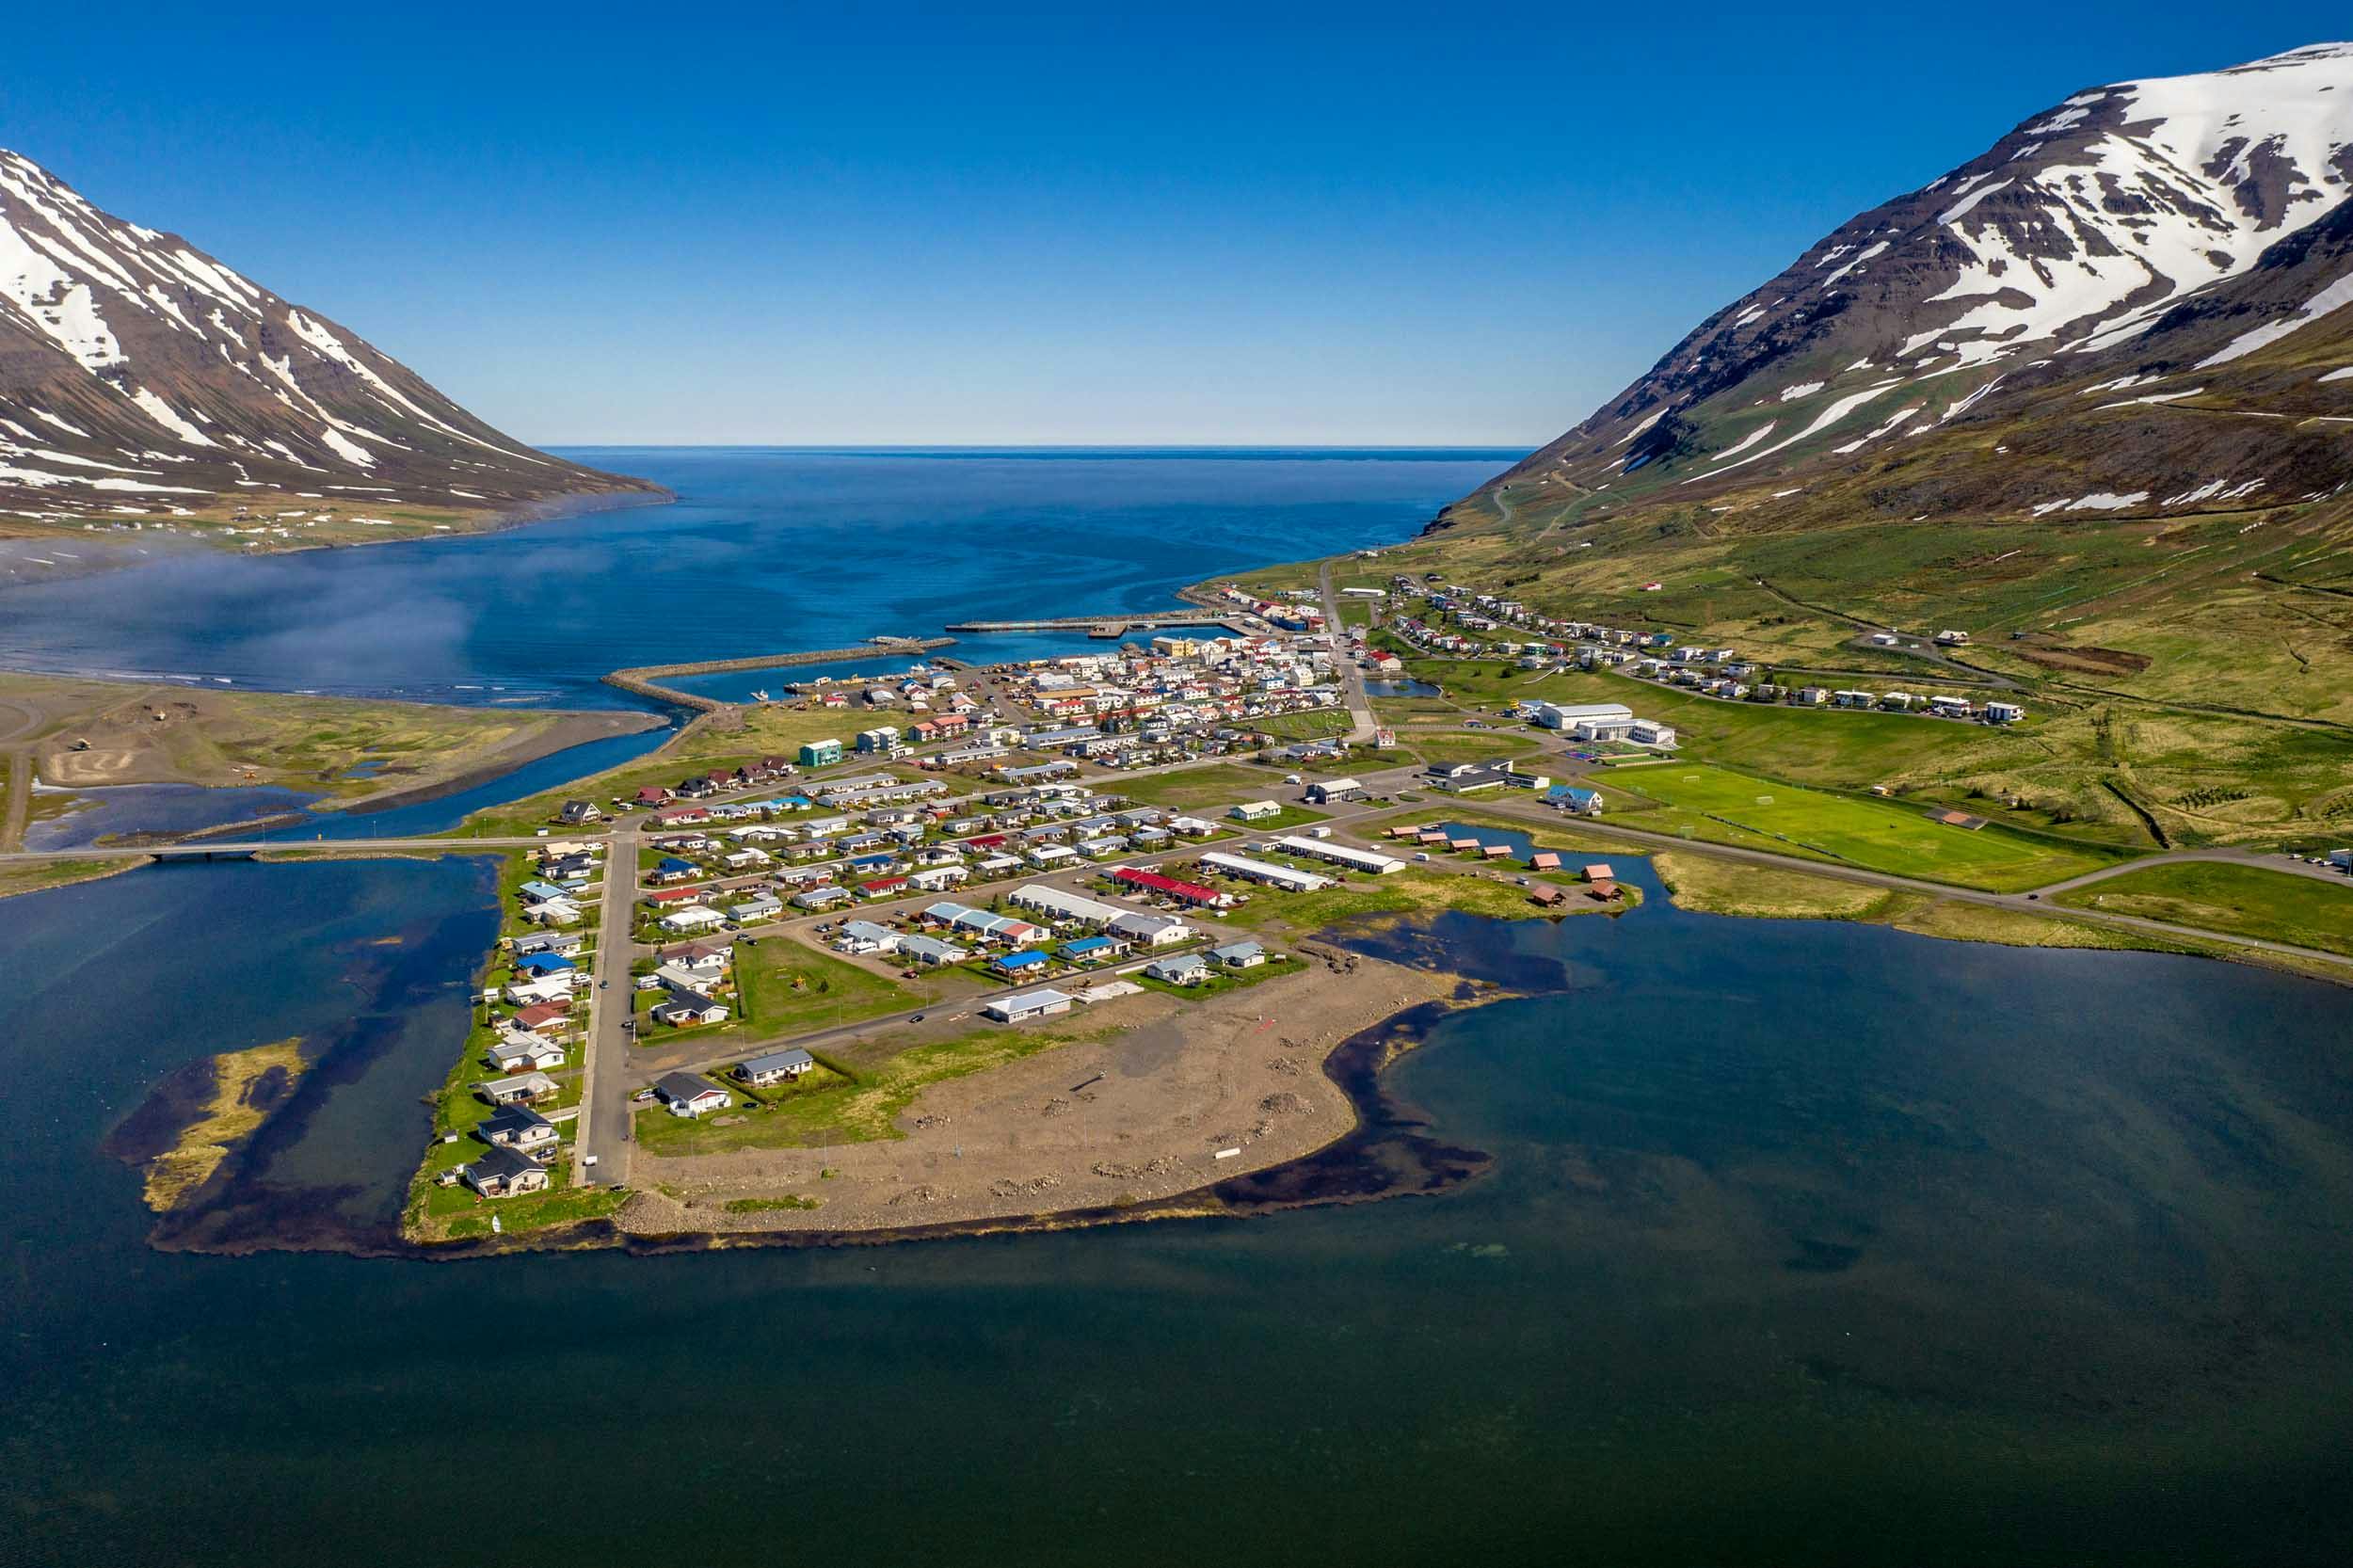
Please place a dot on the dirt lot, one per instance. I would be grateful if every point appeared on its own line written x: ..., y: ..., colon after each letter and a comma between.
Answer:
x: 1139, y: 1115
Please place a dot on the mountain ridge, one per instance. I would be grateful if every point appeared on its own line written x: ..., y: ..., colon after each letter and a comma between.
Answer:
x: 2135, y: 233
x: 140, y: 375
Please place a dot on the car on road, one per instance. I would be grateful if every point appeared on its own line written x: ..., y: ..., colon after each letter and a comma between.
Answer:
x: 1421, y: 857
x: 915, y: 1018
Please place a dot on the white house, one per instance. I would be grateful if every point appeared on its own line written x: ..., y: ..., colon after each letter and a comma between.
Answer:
x: 690, y: 917
x: 1027, y: 1005
x: 690, y: 1094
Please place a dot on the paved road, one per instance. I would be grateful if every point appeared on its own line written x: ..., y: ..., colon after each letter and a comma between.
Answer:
x: 604, y: 1109
x: 1352, y: 679
x: 2030, y: 902
x: 2285, y: 865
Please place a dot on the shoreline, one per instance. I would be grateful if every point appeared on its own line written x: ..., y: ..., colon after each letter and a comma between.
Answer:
x: 1184, y: 1096
x: 1378, y: 1147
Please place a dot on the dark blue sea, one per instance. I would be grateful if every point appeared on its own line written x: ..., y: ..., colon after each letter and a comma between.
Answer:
x: 1802, y: 1243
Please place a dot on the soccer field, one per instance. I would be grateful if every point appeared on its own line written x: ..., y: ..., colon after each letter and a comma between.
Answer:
x: 1880, y: 836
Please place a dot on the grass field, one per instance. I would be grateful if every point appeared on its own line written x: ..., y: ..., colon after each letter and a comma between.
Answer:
x: 1468, y: 745
x: 1881, y: 836
x: 1212, y: 787
x: 859, y: 1112
x: 783, y: 987
x: 2243, y: 901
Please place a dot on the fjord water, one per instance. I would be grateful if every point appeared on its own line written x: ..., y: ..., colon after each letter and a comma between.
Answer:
x: 1803, y: 1242
x: 765, y: 551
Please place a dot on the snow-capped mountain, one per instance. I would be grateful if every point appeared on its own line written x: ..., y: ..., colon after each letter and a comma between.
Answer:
x: 138, y: 373
x: 2185, y: 240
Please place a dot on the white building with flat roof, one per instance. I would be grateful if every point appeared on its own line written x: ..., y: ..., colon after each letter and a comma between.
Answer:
x: 1340, y: 854
x: 1273, y: 875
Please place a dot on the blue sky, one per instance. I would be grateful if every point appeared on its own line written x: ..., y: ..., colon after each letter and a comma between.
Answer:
x: 895, y: 224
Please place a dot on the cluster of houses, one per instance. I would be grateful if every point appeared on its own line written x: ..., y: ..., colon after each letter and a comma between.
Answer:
x: 692, y: 979
x: 1601, y: 882
x: 1062, y: 932
x: 563, y: 871
x: 536, y: 1022
x: 1459, y: 621
x: 1175, y: 699
x: 889, y: 851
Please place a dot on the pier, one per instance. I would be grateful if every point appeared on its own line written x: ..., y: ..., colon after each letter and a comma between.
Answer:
x: 1095, y: 626
x: 646, y: 680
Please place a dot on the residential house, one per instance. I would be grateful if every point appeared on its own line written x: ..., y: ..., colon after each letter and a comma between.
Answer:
x: 1238, y: 955
x: 1182, y: 969
x: 519, y: 1127
x: 1024, y: 1005
x: 517, y: 1090
x: 520, y: 1050
x: 690, y: 1094
x: 504, y: 1173
x: 682, y: 1009
x: 777, y: 1066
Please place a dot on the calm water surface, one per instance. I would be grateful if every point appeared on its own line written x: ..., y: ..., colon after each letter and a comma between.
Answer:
x: 1805, y: 1242
x: 766, y: 551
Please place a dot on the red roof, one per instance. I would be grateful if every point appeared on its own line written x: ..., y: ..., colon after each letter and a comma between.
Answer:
x: 1192, y: 892
x: 882, y: 885
x: 542, y: 1012
x: 673, y: 895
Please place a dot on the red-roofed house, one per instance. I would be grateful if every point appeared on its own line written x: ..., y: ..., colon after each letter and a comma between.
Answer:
x: 1168, y: 886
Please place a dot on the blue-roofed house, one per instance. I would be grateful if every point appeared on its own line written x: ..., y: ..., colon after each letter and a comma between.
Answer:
x: 1575, y: 802
x: 1093, y: 950
x: 543, y: 963
x: 672, y: 869
x: 540, y: 892
x: 1017, y: 963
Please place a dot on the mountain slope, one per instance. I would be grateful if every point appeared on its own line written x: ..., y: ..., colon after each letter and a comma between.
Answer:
x: 2141, y: 257
x: 138, y: 374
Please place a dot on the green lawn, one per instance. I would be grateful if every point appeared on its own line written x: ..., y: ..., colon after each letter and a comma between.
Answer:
x: 2243, y: 901
x: 1213, y: 785
x: 1721, y: 805
x: 437, y: 1213
x: 857, y: 1111
x: 1470, y: 745
x: 785, y: 987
